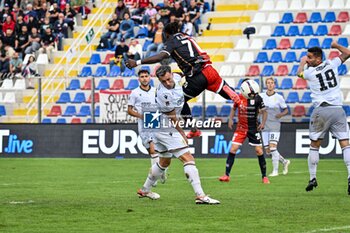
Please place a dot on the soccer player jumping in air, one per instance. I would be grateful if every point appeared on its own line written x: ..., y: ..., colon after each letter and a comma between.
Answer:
x: 327, y: 99
x: 247, y: 127
x: 194, y: 63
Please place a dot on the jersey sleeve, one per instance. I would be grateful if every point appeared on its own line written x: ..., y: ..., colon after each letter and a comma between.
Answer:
x: 164, y: 103
x: 282, y: 102
x: 335, y: 62
x: 132, y: 99
x: 169, y: 46
x: 260, y: 102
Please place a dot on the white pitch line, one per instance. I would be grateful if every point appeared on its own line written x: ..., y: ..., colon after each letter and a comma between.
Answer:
x: 329, y: 229
x: 21, y: 202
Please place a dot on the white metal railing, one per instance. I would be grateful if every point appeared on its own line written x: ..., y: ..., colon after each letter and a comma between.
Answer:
x: 65, y: 64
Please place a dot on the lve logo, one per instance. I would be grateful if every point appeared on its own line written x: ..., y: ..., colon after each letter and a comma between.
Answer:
x: 14, y: 145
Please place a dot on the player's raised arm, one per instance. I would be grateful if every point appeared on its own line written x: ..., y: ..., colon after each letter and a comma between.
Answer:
x: 230, y: 118
x: 130, y: 63
x: 300, y: 72
x: 344, y: 52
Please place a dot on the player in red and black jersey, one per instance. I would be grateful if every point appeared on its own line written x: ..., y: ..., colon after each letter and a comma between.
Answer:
x: 247, y: 127
x: 194, y: 63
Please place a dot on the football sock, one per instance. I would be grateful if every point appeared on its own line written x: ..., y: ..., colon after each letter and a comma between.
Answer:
x: 262, y: 164
x: 313, y: 159
x: 229, y: 163
x: 346, y: 154
x: 282, y: 159
x: 192, y: 175
x: 275, y: 159
x: 155, y: 172
x: 154, y: 159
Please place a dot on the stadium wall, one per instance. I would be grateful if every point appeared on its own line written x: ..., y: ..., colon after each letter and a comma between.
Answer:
x: 118, y: 141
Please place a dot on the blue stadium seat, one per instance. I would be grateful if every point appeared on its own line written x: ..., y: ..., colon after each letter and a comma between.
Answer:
x: 321, y: 30
x: 85, y: 72
x: 101, y: 71
x: 88, y: 121
x: 64, y: 98
x: 302, y: 54
x: 261, y: 58
x: 225, y: 111
x: 146, y: 68
x: 70, y: 111
x: 270, y: 44
x: 287, y: 83
x: 129, y: 72
x: 279, y: 31
x: 211, y: 111
x: 315, y: 17
x: 206, y: 7
x: 257, y: 80
x: 103, y: 84
x: 313, y: 42
x: 342, y: 69
x: 61, y: 121
x: 326, y: 43
x: 294, y: 70
x: 114, y: 72
x: 267, y: 71
x: 276, y: 57
x: 276, y: 84
x: 74, y: 84
x: 94, y: 59
x: 46, y: 121
x: 287, y: 18
x: 84, y: 111
x: 343, y: 41
x: 307, y: 31
x: 281, y: 93
x: 290, y: 57
x: 329, y: 17
x: 142, y: 33
x: 306, y: 98
x: 79, y: 98
x: 133, y: 83
x: 293, y: 31
x: 146, y: 44
x: 239, y: 84
x: 292, y: 97
x: 197, y: 111
x: 346, y: 110
x: 298, y: 44
x: 309, y: 112
x: 97, y: 111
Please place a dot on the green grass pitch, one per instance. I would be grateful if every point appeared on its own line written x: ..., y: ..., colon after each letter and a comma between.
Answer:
x: 99, y: 195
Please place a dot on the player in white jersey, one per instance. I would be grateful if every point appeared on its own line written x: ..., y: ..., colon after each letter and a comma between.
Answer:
x: 274, y: 102
x: 172, y: 141
x: 141, y: 98
x: 327, y: 98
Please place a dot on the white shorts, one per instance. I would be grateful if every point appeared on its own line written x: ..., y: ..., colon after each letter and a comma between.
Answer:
x: 270, y: 137
x: 146, y: 138
x: 170, y: 144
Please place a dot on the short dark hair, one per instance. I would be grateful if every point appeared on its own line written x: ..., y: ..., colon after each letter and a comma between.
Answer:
x: 317, y: 51
x: 172, y: 28
x: 142, y: 71
x: 162, y: 70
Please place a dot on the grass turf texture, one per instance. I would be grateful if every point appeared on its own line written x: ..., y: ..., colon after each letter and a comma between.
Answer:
x: 99, y: 195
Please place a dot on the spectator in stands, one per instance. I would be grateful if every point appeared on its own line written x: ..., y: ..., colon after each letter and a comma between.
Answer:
x: 32, y: 23
x: 23, y: 4
x: 81, y: 7
x: 152, y: 27
x: 141, y: 6
x: 200, y: 4
x: 30, y: 12
x: 9, y: 4
x: 22, y: 41
x: 194, y: 14
x: 187, y: 26
x: 47, y: 43
x: 42, y: 12
x: 9, y: 39
x: 164, y: 12
x: 46, y: 24
x: 178, y: 11
x: 54, y: 12
x: 19, y: 23
x: 121, y: 49
x: 135, y: 50
x: 150, y: 12
x: 15, y: 66
x: 131, y: 5
x: 29, y: 71
x: 157, y: 44
x: 4, y: 13
x: 34, y: 42
x: 61, y: 30
x: 126, y: 28
x: 69, y: 14
x: 8, y: 24
x: 120, y: 10
x: 4, y: 60
x: 113, y: 29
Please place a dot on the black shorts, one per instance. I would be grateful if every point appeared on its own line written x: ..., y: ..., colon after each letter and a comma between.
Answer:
x: 253, y: 136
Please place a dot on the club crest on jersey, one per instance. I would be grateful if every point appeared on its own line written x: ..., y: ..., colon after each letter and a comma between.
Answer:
x: 252, y: 102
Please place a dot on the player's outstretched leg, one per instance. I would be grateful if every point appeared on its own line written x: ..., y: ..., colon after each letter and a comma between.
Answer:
x: 155, y: 173
x: 154, y: 160
x: 312, y: 184
x: 227, y: 91
x: 187, y: 116
x: 346, y: 155
x: 275, y: 159
x: 229, y: 163
x: 262, y: 164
